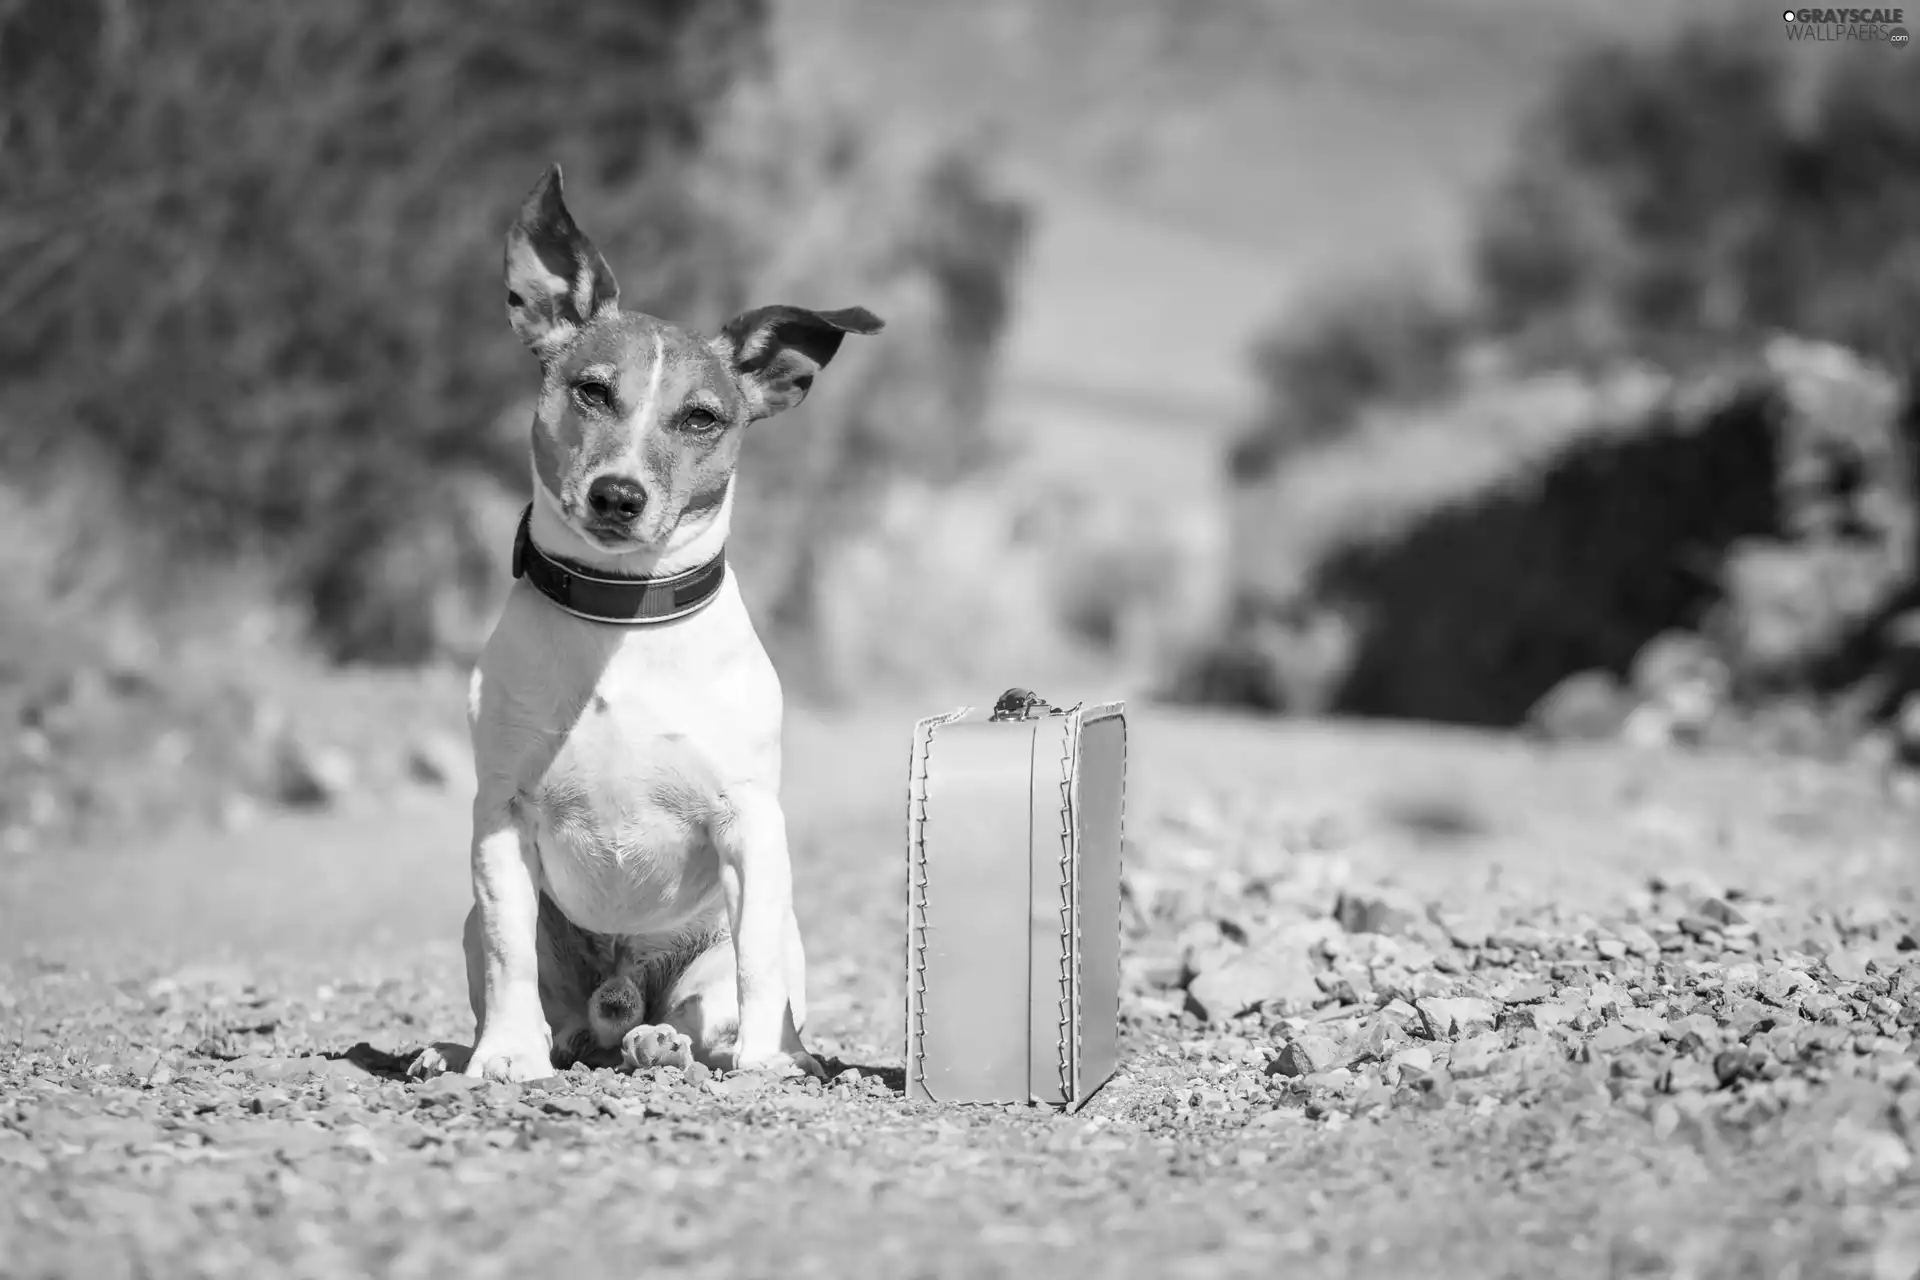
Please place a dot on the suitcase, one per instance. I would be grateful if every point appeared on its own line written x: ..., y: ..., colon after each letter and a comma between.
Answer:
x: 1013, y: 902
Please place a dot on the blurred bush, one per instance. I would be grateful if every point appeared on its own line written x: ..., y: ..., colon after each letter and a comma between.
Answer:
x: 1348, y: 347
x: 1668, y: 211
x: 1458, y: 562
x: 1707, y: 191
x: 826, y: 211
x: 249, y: 274
x: 249, y: 250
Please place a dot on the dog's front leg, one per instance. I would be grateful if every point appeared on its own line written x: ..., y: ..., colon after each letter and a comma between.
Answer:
x: 511, y: 1037
x: 758, y: 879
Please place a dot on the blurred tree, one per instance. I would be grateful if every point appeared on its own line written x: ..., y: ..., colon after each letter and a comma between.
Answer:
x: 249, y: 248
x: 1702, y: 192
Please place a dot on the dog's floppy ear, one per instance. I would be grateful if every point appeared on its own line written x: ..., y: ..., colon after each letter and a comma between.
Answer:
x: 776, y: 351
x: 556, y: 279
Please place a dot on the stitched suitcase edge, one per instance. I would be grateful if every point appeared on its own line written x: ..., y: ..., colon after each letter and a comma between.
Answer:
x: 1076, y: 1098
x: 1068, y: 1046
x: 917, y: 770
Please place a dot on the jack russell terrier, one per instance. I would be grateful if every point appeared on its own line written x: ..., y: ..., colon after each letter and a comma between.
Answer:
x: 632, y: 895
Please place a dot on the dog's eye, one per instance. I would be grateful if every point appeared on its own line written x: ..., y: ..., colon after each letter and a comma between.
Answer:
x: 698, y: 419
x: 594, y: 395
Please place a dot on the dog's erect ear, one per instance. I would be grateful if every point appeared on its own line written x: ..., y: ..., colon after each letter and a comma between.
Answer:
x: 556, y: 279
x: 776, y: 351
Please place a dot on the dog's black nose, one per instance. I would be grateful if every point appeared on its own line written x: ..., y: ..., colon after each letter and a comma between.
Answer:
x: 617, y: 498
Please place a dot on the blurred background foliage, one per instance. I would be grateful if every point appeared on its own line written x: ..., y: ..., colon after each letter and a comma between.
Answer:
x: 251, y: 268
x: 1674, y: 397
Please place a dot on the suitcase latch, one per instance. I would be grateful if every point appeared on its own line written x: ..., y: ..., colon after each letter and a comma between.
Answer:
x: 1021, y: 704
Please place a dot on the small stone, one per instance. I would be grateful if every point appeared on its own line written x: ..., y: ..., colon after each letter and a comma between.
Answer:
x: 699, y: 1073
x: 1260, y: 976
x: 1689, y: 1075
x: 1699, y: 928
x: 450, y: 1084
x: 1742, y: 1017
x: 573, y: 1105
x: 1414, y: 1058
x: 1525, y: 993
x: 1522, y: 938
x: 1447, y: 1017
x: 1720, y: 912
x: 1644, y: 1021
x: 1400, y: 1013
x: 1695, y: 1033
x: 1845, y: 966
x: 1377, y: 913
x: 1534, y: 1017
x: 1305, y: 1055
x: 1371, y: 1096
x: 1778, y: 987
x: 268, y: 1100
x: 1378, y: 1038
x: 1477, y: 1055
x: 1731, y: 1066
x: 848, y: 1078
x: 1820, y: 1004
x: 1637, y: 940
x: 1610, y: 948
x: 1615, y: 1038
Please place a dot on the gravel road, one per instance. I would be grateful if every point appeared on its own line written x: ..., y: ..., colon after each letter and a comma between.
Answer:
x: 1397, y: 1002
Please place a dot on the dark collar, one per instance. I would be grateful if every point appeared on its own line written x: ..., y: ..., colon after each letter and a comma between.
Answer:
x: 620, y: 601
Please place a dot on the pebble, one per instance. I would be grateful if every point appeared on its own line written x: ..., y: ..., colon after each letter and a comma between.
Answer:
x: 1378, y: 913
x: 1415, y: 1058
x: 1257, y: 977
x: 1305, y: 1055
x: 1477, y: 1055
x: 1844, y: 966
x: 1720, y: 912
x: 450, y: 1084
x: 1444, y: 1019
x: 1537, y: 1017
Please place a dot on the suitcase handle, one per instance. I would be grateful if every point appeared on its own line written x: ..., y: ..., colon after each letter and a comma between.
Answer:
x: 1022, y: 704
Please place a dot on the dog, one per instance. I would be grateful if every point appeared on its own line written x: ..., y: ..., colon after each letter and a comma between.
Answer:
x: 632, y: 892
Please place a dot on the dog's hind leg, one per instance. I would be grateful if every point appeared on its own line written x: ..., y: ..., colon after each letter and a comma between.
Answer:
x: 698, y: 1015
x: 571, y: 963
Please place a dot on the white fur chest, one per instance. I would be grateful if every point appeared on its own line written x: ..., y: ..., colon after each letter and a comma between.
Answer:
x: 617, y: 750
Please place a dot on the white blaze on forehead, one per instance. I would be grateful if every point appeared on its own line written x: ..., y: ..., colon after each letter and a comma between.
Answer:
x: 650, y: 401
x: 632, y: 454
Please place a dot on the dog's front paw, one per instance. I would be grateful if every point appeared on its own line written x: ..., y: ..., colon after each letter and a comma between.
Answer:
x: 513, y: 1061
x: 645, y: 1047
x: 438, y: 1059
x: 787, y: 1063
